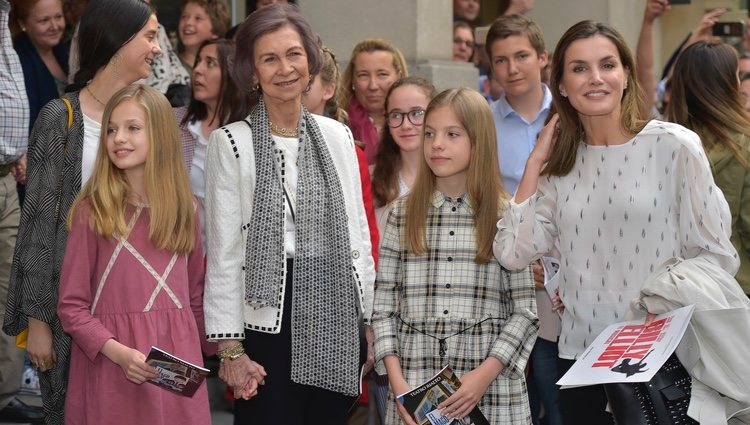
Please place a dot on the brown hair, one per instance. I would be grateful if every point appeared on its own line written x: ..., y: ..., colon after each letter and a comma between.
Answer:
x: 483, y: 182
x: 460, y: 23
x: 231, y: 105
x: 217, y: 12
x: 506, y: 26
x: 20, y: 11
x: 571, y: 130
x: 264, y: 21
x: 385, y: 186
x: 369, y: 45
x: 712, y: 107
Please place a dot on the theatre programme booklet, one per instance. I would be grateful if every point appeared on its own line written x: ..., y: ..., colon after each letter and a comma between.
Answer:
x: 629, y: 351
x: 175, y: 374
x: 551, y: 266
x: 422, y: 402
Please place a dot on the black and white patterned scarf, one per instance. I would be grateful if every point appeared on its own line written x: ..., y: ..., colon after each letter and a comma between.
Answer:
x: 325, y: 334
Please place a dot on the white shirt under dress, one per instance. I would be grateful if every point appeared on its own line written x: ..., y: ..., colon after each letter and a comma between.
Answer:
x: 91, y: 135
x: 621, y: 212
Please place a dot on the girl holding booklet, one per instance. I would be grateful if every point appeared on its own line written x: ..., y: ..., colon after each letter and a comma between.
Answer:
x: 441, y: 297
x: 133, y: 271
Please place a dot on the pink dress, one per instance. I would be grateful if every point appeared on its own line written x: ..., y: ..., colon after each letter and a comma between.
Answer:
x: 141, y: 296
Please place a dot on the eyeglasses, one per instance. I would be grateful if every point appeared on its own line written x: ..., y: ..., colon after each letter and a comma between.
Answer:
x: 395, y: 119
x: 468, y: 43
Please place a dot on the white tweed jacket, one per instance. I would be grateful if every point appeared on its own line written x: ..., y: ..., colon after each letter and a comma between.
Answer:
x: 230, y: 186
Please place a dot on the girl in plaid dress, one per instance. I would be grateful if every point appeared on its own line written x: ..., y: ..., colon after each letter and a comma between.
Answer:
x: 441, y: 297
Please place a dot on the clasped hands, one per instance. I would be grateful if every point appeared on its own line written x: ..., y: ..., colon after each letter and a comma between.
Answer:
x: 243, y: 375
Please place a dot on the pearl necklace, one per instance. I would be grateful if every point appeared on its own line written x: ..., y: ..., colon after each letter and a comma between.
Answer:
x: 284, y: 132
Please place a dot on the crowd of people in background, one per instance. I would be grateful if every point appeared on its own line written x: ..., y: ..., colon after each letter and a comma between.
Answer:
x: 331, y: 239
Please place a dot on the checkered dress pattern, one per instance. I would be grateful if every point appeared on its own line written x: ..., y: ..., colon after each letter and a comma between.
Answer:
x: 442, y: 292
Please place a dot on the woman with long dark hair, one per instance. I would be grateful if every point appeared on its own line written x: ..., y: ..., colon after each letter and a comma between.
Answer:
x: 714, y: 108
x: 117, y: 44
x: 214, y: 101
x: 618, y: 196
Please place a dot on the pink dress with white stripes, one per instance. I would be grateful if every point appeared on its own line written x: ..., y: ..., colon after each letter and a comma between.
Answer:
x: 141, y: 296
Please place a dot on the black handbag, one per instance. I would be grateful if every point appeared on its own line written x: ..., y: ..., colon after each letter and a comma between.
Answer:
x: 661, y: 401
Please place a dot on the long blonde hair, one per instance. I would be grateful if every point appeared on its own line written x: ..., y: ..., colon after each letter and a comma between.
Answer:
x: 485, y: 187
x: 165, y: 179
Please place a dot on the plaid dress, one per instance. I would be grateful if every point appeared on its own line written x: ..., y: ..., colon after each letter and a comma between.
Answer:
x: 483, y: 309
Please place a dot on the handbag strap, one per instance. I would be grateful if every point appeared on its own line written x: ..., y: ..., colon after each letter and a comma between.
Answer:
x: 70, y: 111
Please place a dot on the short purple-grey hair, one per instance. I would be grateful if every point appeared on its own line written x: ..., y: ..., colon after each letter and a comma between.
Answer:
x: 265, y: 21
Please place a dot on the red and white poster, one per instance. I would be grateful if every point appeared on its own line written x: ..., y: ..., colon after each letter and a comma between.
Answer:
x: 629, y: 351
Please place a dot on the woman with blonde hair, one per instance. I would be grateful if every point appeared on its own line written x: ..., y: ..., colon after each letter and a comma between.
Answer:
x: 441, y: 296
x: 617, y: 196
x: 374, y: 65
x: 714, y: 108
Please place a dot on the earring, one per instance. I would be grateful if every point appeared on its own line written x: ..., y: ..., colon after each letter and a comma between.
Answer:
x: 353, y: 89
x: 626, y: 86
x: 256, y: 87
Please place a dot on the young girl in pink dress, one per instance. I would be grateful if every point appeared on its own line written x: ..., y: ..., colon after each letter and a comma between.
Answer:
x: 133, y: 271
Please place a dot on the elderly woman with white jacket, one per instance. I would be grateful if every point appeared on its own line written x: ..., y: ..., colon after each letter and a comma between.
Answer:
x: 290, y: 275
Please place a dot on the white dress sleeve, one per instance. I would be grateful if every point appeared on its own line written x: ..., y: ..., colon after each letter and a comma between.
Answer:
x: 528, y: 229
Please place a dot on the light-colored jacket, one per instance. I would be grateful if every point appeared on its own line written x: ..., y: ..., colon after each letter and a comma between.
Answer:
x: 715, y: 348
x: 230, y: 187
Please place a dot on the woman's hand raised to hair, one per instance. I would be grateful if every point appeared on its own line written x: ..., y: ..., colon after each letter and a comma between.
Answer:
x: 545, y: 144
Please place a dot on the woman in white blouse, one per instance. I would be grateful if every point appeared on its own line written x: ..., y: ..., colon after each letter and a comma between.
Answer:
x: 215, y: 101
x: 617, y: 195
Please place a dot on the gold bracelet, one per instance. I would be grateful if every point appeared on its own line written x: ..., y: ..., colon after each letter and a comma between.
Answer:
x: 231, y: 353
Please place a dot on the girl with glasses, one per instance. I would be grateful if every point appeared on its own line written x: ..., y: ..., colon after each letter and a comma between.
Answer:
x: 396, y: 164
x: 441, y: 297
x: 399, y: 152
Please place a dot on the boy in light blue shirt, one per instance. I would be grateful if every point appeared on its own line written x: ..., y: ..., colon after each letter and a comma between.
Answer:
x: 515, y: 46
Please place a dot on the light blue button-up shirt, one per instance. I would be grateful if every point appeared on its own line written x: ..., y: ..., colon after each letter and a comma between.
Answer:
x: 516, y: 137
